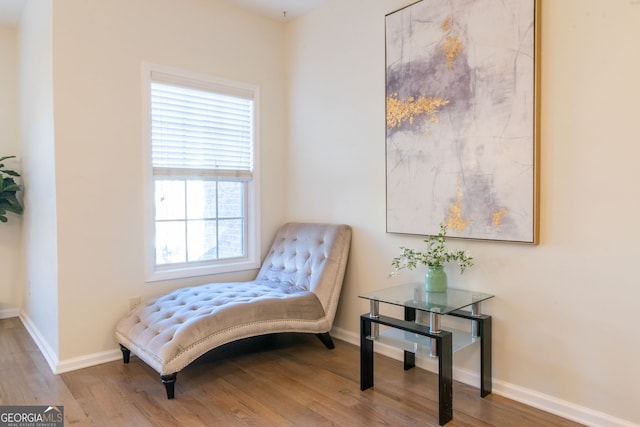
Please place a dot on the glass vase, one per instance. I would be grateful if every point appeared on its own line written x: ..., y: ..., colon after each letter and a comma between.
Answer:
x: 435, y: 280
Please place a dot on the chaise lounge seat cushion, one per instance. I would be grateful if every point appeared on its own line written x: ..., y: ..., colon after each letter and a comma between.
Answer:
x: 171, y: 331
x: 296, y: 290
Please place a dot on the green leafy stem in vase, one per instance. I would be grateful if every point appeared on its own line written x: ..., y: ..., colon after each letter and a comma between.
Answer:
x: 434, y: 255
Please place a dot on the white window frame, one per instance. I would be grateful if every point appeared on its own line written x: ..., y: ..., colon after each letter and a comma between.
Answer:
x: 252, y: 258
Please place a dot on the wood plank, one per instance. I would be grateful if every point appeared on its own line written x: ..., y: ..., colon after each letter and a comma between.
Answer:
x: 283, y: 380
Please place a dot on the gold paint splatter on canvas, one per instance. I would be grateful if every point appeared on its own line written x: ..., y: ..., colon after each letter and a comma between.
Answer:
x: 400, y: 111
x: 498, y: 215
x: 455, y: 220
x: 446, y: 25
x: 451, y: 48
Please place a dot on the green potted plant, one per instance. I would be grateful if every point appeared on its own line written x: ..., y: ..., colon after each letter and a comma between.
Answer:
x: 434, y: 257
x: 8, y: 189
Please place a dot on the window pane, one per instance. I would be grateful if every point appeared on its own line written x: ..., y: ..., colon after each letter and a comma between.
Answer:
x: 201, y: 162
x: 170, y: 242
x: 231, y: 238
x: 170, y: 199
x: 201, y: 236
x: 230, y: 199
x: 201, y: 199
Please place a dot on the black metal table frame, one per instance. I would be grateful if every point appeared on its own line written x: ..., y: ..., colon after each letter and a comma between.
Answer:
x: 444, y: 350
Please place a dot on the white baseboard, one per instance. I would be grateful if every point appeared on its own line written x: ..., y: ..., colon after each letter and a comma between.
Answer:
x: 8, y: 313
x: 59, y: 367
x: 529, y: 397
x: 562, y: 408
x: 46, y: 350
x: 87, y: 361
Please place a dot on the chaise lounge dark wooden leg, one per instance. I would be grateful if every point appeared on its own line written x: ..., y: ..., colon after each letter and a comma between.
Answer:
x: 126, y: 353
x: 326, y: 340
x: 169, y: 382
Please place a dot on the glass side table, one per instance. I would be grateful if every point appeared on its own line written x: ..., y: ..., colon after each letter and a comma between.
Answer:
x: 420, y: 333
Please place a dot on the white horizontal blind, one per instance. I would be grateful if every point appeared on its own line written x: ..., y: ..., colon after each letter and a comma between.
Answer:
x: 198, y: 132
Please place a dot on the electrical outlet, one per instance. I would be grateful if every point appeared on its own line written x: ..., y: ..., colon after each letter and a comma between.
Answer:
x: 134, y: 302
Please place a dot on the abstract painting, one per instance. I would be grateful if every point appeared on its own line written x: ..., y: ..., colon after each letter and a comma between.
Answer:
x: 461, y: 121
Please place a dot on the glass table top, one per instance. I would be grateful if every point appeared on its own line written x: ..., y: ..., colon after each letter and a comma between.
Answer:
x: 413, y: 295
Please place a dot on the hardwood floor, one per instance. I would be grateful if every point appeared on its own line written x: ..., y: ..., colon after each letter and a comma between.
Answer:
x: 284, y: 380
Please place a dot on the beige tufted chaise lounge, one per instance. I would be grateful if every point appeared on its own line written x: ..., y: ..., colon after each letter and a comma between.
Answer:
x: 296, y: 290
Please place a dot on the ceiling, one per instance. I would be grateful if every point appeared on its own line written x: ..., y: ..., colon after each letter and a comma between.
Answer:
x: 275, y: 8
x: 10, y: 9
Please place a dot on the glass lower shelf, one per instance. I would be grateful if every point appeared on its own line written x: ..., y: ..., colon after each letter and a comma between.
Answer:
x: 421, y: 345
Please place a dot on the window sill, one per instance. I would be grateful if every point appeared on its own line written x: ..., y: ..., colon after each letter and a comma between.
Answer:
x: 191, y: 271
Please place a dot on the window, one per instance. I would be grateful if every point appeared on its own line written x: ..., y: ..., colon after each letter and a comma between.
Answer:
x: 201, y: 175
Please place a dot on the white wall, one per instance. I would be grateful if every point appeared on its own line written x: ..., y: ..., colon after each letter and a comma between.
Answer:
x: 558, y: 331
x: 565, y: 312
x: 40, y: 283
x: 98, y: 51
x: 10, y: 243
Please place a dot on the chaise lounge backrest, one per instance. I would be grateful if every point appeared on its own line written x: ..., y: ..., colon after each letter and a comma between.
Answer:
x: 312, y: 257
